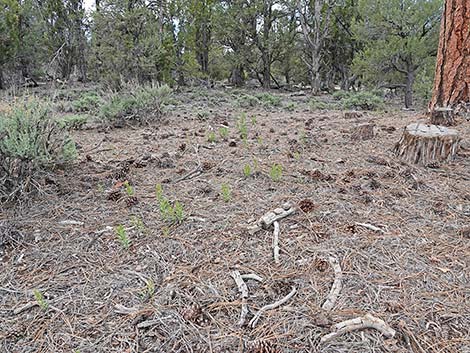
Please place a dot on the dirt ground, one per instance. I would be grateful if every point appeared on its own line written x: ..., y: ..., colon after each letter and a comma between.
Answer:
x: 172, y: 290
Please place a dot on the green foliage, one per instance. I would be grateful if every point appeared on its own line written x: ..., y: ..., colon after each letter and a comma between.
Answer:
x: 149, y: 287
x: 88, y: 102
x: 226, y: 192
x: 31, y: 141
x: 398, y: 36
x: 138, y: 224
x: 129, y: 188
x: 43, y: 304
x: 73, y: 122
x: 247, y: 170
x: 223, y: 132
x: 268, y: 100
x: 290, y: 106
x: 362, y: 100
x: 247, y: 101
x: 316, y: 104
x: 123, y: 238
x: 212, y: 138
x: 169, y: 213
x: 140, y: 103
x: 276, y: 172
x: 242, y: 127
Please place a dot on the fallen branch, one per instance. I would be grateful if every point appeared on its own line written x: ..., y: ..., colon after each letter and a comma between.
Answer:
x: 25, y: 307
x: 277, y: 230
x: 121, y: 309
x: 336, y: 287
x: 272, y: 216
x: 243, y: 289
x: 371, y: 227
x: 274, y: 305
x: 359, y: 323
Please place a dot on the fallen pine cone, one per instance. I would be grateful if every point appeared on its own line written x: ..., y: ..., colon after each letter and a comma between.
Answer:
x: 131, y: 201
x: 306, y: 205
x: 261, y: 346
x: 115, y: 195
x: 194, y: 313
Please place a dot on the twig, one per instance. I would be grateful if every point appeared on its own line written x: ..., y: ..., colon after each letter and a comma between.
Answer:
x: 274, y: 305
x: 277, y: 230
x: 25, y: 307
x: 121, y: 309
x: 243, y: 289
x: 271, y: 217
x: 252, y: 276
x: 359, y: 323
x: 371, y: 227
x: 337, y: 284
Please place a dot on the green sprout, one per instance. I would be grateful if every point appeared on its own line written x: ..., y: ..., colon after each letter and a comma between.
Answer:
x: 43, y: 304
x: 129, y: 188
x: 212, y: 138
x: 225, y: 192
x: 247, y: 170
x: 123, y: 237
x: 223, y: 132
x: 276, y: 172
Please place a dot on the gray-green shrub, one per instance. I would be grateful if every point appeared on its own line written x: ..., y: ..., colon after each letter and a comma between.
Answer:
x: 31, y: 141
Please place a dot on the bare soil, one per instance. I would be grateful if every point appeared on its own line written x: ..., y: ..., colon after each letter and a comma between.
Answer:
x: 414, y: 275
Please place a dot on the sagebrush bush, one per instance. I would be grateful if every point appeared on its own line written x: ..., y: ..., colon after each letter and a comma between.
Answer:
x: 140, y: 104
x: 88, y: 102
x: 269, y: 100
x: 363, y: 100
x: 31, y: 141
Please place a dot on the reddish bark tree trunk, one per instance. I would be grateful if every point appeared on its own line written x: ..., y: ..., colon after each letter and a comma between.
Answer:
x: 452, y: 81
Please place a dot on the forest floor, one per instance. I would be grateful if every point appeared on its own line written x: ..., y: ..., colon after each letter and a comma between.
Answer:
x: 172, y: 290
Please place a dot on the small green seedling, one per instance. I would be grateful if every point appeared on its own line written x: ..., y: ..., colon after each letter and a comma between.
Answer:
x: 43, y: 304
x: 212, y: 138
x: 297, y: 156
x: 178, y: 212
x: 149, y: 287
x: 260, y: 140
x: 159, y: 191
x: 276, y: 172
x: 247, y: 170
x: 139, y: 224
x: 225, y: 192
x: 253, y: 120
x: 123, y: 237
x: 242, y: 127
x: 303, y: 137
x: 129, y: 189
x: 223, y: 132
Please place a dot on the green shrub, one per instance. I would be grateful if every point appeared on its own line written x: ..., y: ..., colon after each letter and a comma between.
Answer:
x: 73, y: 122
x: 88, y: 102
x: 31, y: 141
x: 316, y: 104
x: 141, y: 104
x: 362, y: 100
x: 269, y: 100
x: 247, y: 101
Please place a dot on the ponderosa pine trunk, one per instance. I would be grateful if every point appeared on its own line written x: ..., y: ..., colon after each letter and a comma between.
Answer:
x: 452, y: 81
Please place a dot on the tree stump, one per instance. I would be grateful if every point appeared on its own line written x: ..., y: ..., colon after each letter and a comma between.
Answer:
x: 363, y: 132
x: 443, y: 117
x: 425, y: 144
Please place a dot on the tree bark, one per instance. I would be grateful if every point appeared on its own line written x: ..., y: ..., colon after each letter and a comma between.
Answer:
x: 236, y: 78
x: 2, y: 84
x: 410, y: 79
x: 452, y: 80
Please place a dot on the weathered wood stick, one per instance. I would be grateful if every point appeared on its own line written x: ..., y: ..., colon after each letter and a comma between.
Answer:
x: 252, y: 276
x: 371, y: 227
x: 272, y: 216
x: 274, y: 305
x: 336, y: 287
x: 277, y: 230
x: 359, y: 323
x: 243, y: 289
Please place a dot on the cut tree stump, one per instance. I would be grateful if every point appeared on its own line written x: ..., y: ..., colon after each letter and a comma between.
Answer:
x: 424, y: 144
x: 363, y: 132
x: 443, y: 117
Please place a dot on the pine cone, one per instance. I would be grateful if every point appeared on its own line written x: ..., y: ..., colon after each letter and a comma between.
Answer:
x: 261, y: 346
x: 131, y: 201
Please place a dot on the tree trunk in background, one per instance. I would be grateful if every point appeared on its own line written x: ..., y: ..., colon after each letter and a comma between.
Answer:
x: 236, y: 77
x: 2, y: 84
x: 410, y: 79
x: 452, y: 81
